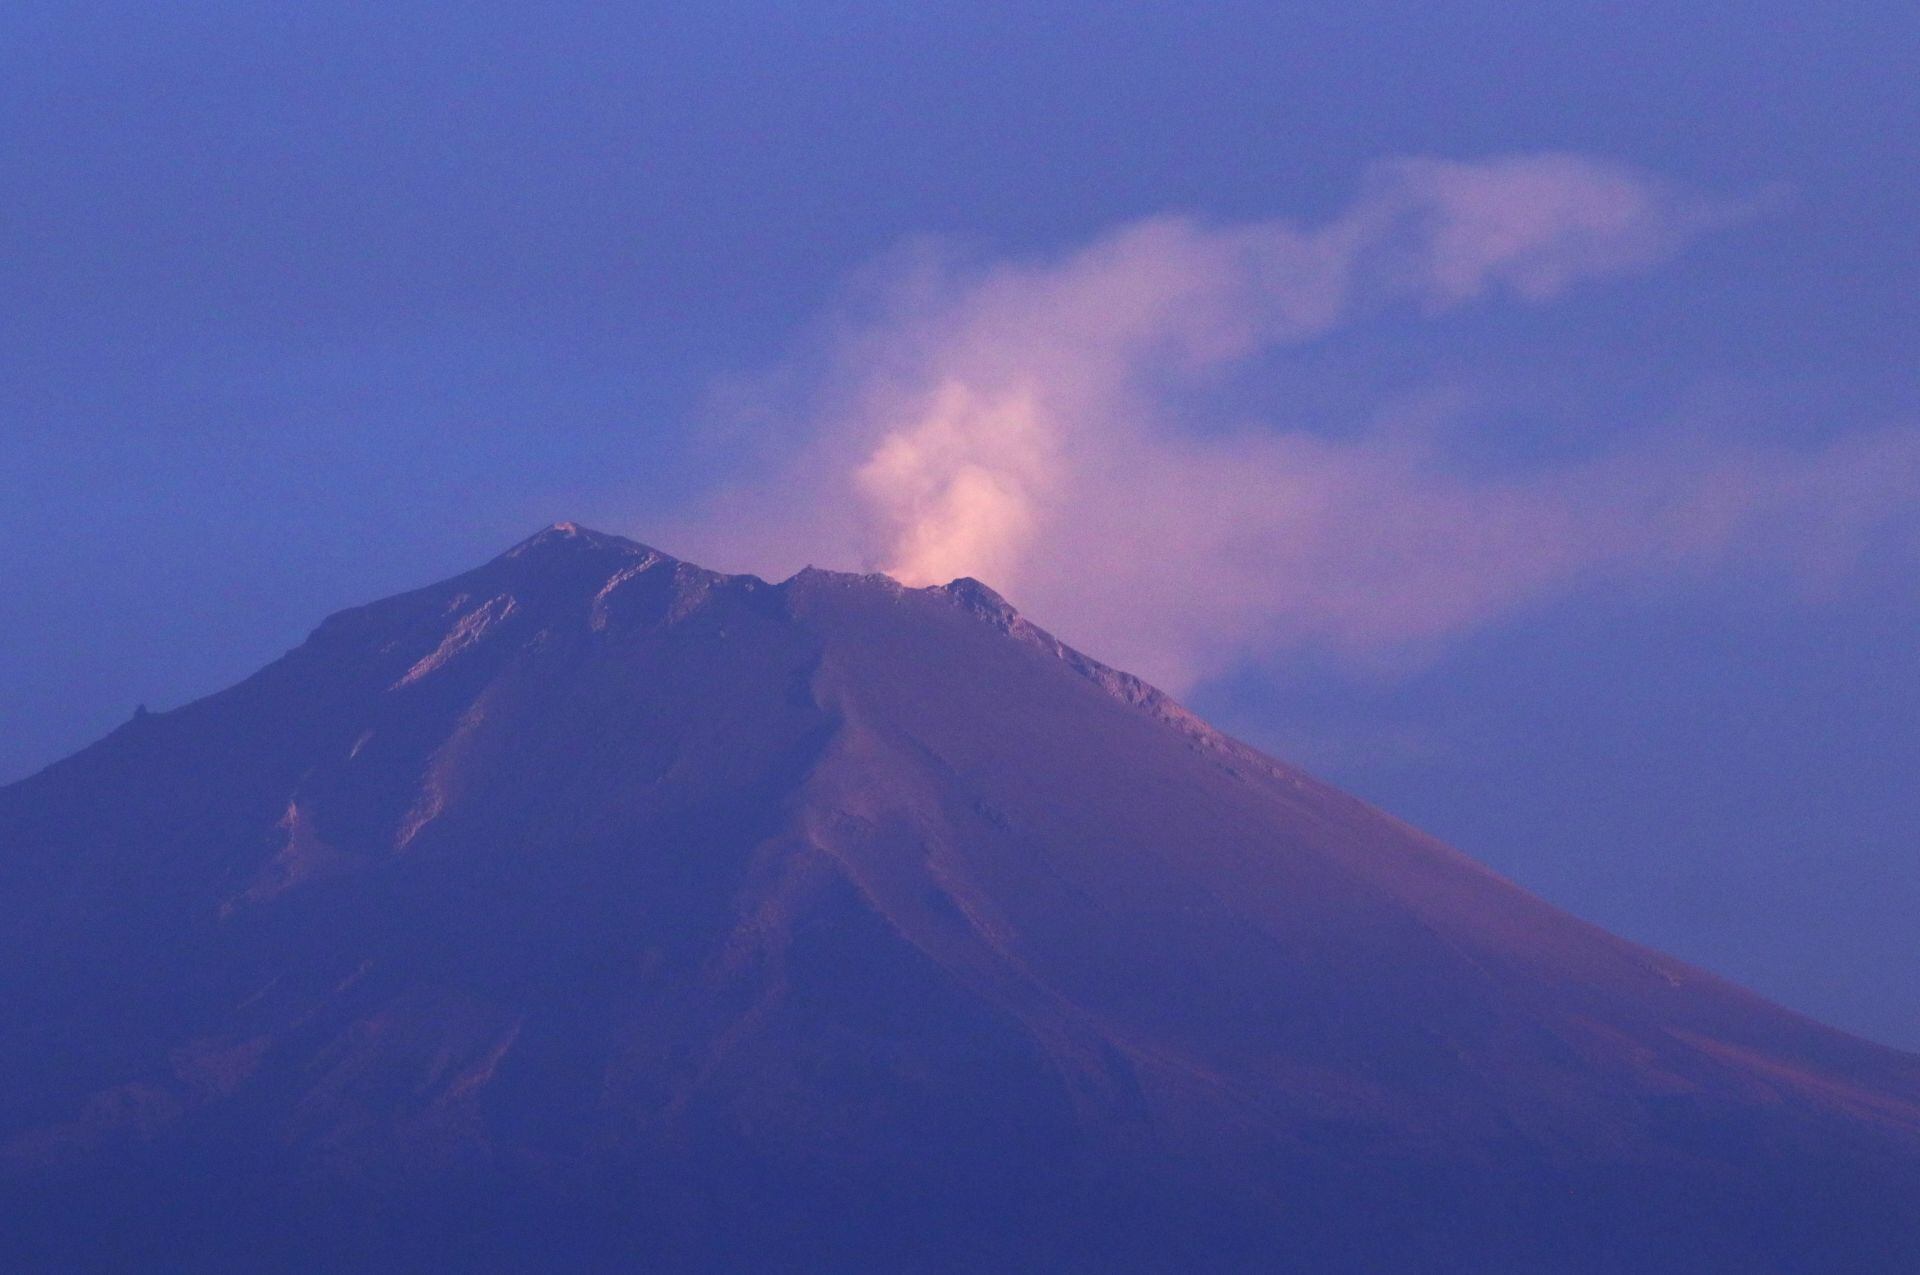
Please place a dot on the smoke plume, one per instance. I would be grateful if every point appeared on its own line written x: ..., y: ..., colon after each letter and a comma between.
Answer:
x: 1032, y: 423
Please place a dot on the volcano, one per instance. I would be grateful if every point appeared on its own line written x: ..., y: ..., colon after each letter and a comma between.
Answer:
x: 591, y: 910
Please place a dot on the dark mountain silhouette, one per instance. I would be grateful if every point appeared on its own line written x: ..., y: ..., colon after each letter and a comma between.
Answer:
x: 593, y: 910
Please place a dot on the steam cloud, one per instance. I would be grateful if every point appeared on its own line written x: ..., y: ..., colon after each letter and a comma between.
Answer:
x: 1023, y: 424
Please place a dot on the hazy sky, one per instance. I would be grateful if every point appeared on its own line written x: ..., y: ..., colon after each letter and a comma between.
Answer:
x: 1509, y: 411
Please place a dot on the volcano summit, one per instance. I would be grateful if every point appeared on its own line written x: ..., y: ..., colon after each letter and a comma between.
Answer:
x: 591, y: 910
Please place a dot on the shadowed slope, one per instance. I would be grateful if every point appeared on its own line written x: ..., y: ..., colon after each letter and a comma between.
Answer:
x: 858, y: 924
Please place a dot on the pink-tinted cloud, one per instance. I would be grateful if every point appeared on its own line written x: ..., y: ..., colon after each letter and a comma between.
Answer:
x: 1013, y: 424
x: 1375, y: 545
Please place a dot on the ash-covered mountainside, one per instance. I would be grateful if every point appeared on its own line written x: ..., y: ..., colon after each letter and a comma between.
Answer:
x: 591, y: 910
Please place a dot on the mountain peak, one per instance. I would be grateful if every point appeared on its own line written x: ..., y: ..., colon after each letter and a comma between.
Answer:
x: 980, y: 599
x: 571, y: 537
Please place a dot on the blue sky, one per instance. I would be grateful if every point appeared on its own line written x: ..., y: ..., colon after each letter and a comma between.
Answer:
x: 304, y: 307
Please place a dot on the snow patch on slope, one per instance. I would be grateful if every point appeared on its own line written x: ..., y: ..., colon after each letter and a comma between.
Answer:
x: 465, y: 634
